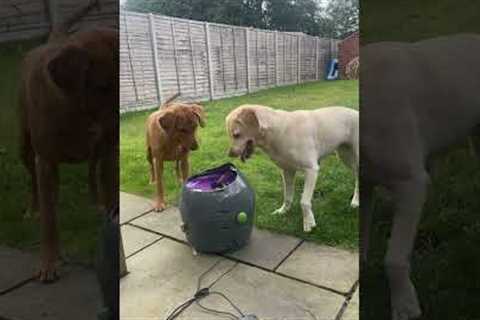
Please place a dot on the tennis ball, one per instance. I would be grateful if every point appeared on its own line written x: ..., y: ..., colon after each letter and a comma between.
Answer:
x: 242, y: 218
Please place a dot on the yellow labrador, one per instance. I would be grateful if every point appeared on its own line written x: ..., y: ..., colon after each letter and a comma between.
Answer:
x: 295, y: 141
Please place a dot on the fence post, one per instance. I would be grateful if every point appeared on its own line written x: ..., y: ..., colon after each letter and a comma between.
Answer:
x: 256, y: 59
x: 284, y: 71
x: 52, y: 11
x: 192, y: 56
x: 206, y: 27
x: 330, y: 48
x: 156, y: 67
x: 276, y: 57
x: 247, y: 57
x: 222, y: 62
x: 134, y: 82
x: 172, y: 29
x: 234, y: 59
x: 316, y: 58
x: 267, y: 62
x: 298, y: 58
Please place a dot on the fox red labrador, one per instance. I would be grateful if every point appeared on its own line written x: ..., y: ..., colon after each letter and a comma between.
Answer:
x: 170, y: 137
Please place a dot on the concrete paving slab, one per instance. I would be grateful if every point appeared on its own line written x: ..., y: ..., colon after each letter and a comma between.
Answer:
x: 16, y: 266
x: 162, y: 277
x: 266, y: 249
x: 135, y: 239
x: 167, y: 222
x: 268, y: 296
x: 132, y: 206
x: 352, y: 312
x: 325, y: 266
x: 76, y: 296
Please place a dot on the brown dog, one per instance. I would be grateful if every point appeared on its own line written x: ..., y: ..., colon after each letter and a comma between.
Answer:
x: 69, y: 113
x: 170, y: 137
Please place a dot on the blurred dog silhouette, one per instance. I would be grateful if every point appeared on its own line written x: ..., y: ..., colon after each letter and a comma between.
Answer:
x: 417, y: 100
x: 69, y: 113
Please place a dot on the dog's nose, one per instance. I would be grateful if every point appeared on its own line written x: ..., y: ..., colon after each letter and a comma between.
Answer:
x: 194, y: 146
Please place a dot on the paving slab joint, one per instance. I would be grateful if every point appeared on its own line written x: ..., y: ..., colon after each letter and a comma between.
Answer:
x: 346, y: 303
x: 159, y: 233
x: 17, y: 286
x: 353, y: 289
x: 137, y: 217
x: 288, y: 255
x: 143, y: 248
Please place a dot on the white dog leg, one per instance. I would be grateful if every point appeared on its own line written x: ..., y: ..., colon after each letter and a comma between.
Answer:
x: 288, y: 177
x: 356, y: 195
x: 306, y: 201
x: 350, y: 159
x: 355, y: 200
x: 410, y: 197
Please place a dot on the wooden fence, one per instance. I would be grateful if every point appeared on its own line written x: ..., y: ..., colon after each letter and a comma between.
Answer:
x: 24, y: 19
x: 160, y: 56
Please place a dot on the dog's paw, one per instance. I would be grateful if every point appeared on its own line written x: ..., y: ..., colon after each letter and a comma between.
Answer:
x: 195, y: 253
x: 308, y: 226
x: 405, y: 306
x: 404, y: 299
x: 406, y: 312
x: 159, y: 206
x: 47, y: 273
x: 355, y: 203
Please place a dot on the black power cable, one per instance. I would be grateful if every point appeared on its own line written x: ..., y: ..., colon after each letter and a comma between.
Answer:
x: 204, y: 292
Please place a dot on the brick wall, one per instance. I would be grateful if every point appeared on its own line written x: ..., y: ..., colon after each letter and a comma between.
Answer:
x: 347, y: 50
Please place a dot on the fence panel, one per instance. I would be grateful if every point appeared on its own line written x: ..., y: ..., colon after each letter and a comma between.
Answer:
x: 138, y: 83
x: 161, y: 56
x: 23, y: 19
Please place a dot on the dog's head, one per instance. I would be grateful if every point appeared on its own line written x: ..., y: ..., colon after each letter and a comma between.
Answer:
x: 84, y: 68
x: 243, y: 128
x: 180, y: 122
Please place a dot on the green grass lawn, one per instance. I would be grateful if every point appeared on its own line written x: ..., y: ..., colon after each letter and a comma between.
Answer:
x: 337, y: 222
x: 78, y: 221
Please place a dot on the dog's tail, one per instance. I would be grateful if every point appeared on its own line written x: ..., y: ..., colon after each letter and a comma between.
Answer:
x: 169, y: 100
x: 60, y: 31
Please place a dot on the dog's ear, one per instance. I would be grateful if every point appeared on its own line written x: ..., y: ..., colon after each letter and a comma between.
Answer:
x: 248, y: 117
x: 262, y: 118
x: 168, y: 121
x: 68, y: 68
x: 199, y: 112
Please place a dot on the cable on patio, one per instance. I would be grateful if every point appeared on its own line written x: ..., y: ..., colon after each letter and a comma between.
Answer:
x: 204, y: 292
